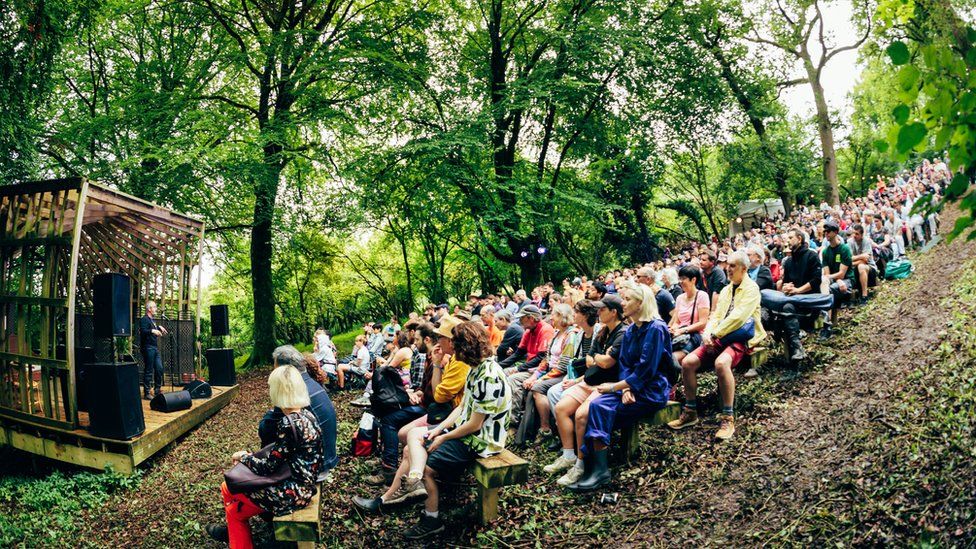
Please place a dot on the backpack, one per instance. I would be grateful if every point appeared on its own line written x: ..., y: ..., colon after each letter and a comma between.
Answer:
x: 389, y: 395
x: 364, y: 438
x: 898, y: 269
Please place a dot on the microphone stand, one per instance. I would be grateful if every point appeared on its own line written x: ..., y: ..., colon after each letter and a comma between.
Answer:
x: 172, y: 355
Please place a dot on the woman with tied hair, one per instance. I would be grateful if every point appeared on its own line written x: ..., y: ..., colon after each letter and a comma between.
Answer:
x: 641, y: 390
x: 477, y: 428
x: 298, y: 443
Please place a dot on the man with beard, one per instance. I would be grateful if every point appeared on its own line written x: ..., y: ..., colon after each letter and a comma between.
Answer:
x: 801, y: 277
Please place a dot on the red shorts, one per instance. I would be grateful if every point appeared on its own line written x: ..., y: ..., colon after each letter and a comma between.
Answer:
x: 707, y: 354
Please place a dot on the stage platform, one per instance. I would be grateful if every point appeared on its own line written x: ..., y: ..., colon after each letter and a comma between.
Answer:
x: 81, y: 448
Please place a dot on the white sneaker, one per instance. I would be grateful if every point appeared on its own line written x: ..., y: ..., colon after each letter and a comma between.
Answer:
x: 571, y: 477
x: 560, y: 465
x: 362, y: 401
x: 751, y: 374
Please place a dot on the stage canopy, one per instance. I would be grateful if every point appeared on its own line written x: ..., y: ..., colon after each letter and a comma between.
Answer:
x: 55, y: 236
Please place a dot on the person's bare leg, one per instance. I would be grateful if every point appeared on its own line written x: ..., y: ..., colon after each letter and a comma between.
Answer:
x: 726, y: 381
x: 542, y: 407
x: 430, y: 482
x: 341, y: 375
x: 565, y: 410
x: 400, y: 473
x: 689, y: 376
x: 405, y: 430
x: 415, y: 445
x: 582, y: 414
x: 862, y: 276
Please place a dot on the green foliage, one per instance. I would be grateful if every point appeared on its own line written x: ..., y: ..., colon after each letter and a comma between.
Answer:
x: 49, y: 511
x: 934, y: 48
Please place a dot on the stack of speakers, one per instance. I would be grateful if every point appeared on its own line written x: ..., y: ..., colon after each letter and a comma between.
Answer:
x: 111, y: 387
x: 220, y: 361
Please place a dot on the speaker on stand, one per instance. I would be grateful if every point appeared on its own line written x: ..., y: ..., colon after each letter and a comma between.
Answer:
x: 110, y: 386
x: 220, y: 360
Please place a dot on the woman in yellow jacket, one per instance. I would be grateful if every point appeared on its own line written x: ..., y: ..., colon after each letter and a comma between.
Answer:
x: 725, y: 341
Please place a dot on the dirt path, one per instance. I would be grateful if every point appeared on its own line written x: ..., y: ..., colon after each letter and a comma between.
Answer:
x: 793, y: 462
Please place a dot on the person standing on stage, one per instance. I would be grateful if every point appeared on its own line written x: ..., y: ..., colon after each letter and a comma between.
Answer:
x: 151, y: 359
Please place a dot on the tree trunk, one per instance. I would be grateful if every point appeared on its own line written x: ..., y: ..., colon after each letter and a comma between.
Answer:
x: 826, y: 130
x: 262, y: 285
x: 531, y: 271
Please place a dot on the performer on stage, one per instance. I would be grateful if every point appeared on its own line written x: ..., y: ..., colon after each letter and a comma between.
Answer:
x: 151, y: 359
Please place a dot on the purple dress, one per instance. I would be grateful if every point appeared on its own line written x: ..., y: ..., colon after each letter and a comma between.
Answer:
x: 642, y: 353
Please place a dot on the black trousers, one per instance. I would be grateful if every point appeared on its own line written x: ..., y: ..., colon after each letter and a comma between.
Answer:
x: 153, y: 374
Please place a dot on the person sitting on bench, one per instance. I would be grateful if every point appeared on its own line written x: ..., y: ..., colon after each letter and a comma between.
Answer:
x: 642, y: 387
x: 838, y: 270
x: 478, y: 428
x: 725, y: 342
x: 801, y: 277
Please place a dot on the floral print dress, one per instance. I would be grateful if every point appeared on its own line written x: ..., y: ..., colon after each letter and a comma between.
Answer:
x: 301, y: 448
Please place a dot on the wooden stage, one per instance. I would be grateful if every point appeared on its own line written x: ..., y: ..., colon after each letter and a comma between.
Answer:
x: 81, y: 448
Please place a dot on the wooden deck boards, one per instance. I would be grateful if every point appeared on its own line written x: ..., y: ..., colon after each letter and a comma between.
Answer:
x: 81, y: 448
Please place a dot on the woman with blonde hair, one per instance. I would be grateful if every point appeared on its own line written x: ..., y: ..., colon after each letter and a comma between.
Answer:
x: 641, y: 390
x: 298, y: 444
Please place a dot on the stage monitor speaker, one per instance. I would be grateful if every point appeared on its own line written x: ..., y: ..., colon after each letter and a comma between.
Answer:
x: 171, y: 402
x: 219, y: 320
x: 112, y: 313
x: 114, y: 407
x: 198, y: 389
x: 221, y: 365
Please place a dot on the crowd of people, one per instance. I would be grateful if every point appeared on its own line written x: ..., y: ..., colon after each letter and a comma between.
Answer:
x: 567, y: 368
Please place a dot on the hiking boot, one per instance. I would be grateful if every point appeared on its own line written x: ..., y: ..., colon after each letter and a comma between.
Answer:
x: 384, y: 477
x: 560, y: 465
x: 146, y: 396
x: 554, y: 445
x: 362, y: 401
x: 572, y: 476
x: 409, y: 488
x: 427, y: 526
x: 826, y: 331
x: 368, y: 505
x: 686, y: 419
x: 217, y: 532
x: 726, y: 428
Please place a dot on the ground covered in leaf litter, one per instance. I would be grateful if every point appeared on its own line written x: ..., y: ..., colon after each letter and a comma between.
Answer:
x: 871, y: 445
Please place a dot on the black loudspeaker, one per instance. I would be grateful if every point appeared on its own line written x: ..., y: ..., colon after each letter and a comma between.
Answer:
x: 114, y: 406
x: 199, y: 389
x: 221, y: 365
x: 171, y: 402
x: 219, y: 320
x: 110, y: 296
x: 84, y: 357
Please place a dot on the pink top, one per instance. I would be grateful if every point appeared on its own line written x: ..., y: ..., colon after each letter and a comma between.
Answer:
x: 684, y: 308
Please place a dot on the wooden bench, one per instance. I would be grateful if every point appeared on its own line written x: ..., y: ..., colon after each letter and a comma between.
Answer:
x: 304, y: 526
x: 630, y: 436
x: 491, y: 473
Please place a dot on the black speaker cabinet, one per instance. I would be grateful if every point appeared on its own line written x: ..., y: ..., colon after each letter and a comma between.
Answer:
x: 114, y: 407
x: 221, y: 365
x: 199, y: 389
x: 112, y: 314
x: 219, y: 320
x: 171, y: 402
x: 84, y: 357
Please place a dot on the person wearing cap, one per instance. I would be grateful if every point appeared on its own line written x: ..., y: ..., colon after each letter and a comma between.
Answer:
x: 738, y: 304
x: 642, y: 388
x: 713, y: 277
x: 838, y: 269
x: 571, y: 411
x: 535, y: 341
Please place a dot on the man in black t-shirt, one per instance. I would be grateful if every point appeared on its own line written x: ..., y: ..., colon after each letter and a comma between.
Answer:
x: 713, y: 277
x: 149, y: 346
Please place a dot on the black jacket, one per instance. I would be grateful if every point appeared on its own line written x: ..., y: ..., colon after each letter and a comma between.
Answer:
x: 803, y: 267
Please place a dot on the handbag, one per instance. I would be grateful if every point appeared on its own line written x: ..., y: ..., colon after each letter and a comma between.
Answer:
x: 742, y: 335
x: 438, y: 412
x: 682, y: 340
x: 241, y: 479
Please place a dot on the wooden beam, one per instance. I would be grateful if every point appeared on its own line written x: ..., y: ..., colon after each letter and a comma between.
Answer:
x: 71, y: 407
x: 31, y: 187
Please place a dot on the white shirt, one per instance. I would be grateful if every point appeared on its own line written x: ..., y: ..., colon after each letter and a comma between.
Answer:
x: 324, y: 352
x: 362, y: 356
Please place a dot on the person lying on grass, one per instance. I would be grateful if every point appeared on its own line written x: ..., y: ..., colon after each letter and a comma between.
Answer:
x: 478, y: 428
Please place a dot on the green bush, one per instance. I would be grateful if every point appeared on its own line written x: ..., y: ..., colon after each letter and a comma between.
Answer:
x: 346, y: 340
x: 47, y: 511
